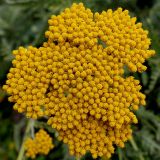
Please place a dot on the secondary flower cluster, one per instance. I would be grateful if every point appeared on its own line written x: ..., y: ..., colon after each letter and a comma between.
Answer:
x: 41, y: 144
x: 77, y: 78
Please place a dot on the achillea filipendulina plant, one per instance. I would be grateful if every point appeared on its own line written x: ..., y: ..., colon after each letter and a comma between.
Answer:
x: 76, y: 78
x: 41, y: 144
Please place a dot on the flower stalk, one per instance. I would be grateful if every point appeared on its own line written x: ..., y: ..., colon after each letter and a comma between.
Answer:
x: 30, y: 125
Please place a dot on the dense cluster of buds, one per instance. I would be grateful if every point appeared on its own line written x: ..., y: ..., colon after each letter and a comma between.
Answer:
x: 41, y: 144
x: 76, y: 78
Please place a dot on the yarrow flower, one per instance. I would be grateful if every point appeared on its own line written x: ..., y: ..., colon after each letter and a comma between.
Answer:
x: 41, y: 144
x: 77, y: 78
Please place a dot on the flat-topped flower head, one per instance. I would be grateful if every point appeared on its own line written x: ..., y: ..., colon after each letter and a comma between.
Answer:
x: 77, y: 80
x: 41, y: 144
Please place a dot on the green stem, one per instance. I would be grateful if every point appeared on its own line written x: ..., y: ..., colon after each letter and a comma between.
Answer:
x: 135, y: 147
x: 119, y: 154
x: 32, y: 128
x: 22, y: 149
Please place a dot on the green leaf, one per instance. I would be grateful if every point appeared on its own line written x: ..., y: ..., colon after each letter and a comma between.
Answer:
x: 145, y: 78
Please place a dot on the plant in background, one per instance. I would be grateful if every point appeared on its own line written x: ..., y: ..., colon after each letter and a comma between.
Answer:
x: 76, y: 79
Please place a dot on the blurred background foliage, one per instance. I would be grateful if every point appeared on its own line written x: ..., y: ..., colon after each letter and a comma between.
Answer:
x: 23, y: 22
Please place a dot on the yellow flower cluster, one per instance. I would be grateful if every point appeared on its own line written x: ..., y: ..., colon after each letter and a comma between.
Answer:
x: 76, y: 78
x: 41, y: 144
